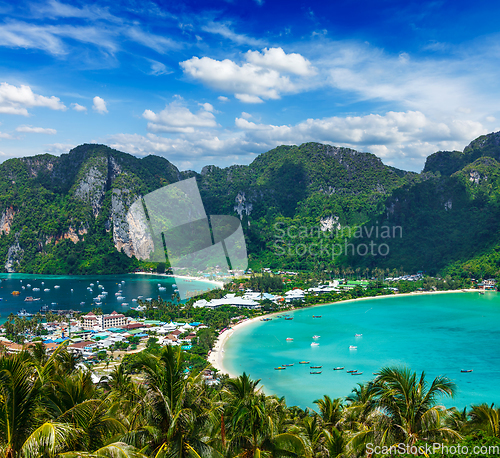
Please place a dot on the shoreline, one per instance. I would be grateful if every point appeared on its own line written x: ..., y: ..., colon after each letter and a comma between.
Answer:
x: 216, y: 355
x: 219, y: 284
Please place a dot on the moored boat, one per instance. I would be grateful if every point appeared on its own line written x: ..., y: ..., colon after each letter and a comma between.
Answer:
x: 339, y: 368
x: 352, y: 371
x: 356, y: 373
x: 304, y: 362
x: 287, y: 365
x: 358, y: 335
x: 280, y: 368
x: 316, y: 316
x: 316, y: 337
x: 23, y: 313
x: 352, y: 347
x: 315, y: 372
x: 289, y: 339
x: 315, y: 367
x: 314, y: 344
x: 289, y: 318
x: 466, y: 370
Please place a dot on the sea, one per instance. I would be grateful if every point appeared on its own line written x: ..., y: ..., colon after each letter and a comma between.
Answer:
x: 79, y: 293
x: 441, y: 334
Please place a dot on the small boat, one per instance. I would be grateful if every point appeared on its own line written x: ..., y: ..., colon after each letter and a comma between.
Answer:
x: 289, y: 339
x: 466, y: 370
x: 23, y: 313
x: 16, y: 293
x: 124, y: 304
x: 315, y: 367
x: 36, y: 289
x: 280, y: 368
x: 47, y: 290
x: 29, y: 299
x: 120, y: 298
x: 82, y: 303
x: 289, y: 318
x: 339, y: 368
x: 304, y: 362
x: 287, y: 365
x: 316, y: 337
x: 314, y: 344
x: 352, y: 371
x: 356, y: 373
x: 352, y: 347
x: 44, y: 308
x: 56, y: 287
x: 358, y: 335
x: 315, y: 372
x: 316, y: 316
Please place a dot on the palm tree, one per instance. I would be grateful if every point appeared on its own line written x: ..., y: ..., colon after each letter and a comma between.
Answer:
x: 175, y: 408
x: 410, y: 404
x: 331, y: 411
x: 486, y: 418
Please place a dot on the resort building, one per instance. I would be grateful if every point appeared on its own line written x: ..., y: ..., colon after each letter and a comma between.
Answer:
x: 114, y: 320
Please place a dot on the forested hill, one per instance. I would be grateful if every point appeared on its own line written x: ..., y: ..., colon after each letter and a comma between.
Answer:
x: 67, y: 214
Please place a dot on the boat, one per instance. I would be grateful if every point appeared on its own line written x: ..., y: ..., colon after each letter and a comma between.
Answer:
x: 16, y: 293
x: 314, y: 344
x: 315, y: 372
x: 352, y: 371
x: 315, y: 367
x: 356, y: 373
x: 44, y: 308
x: 481, y: 292
x: 36, y: 289
x: 289, y: 318
x: 120, y: 298
x: 280, y: 368
x: 266, y: 319
x: 316, y: 316
x: 47, y: 290
x: 31, y: 299
x: 466, y: 370
x: 56, y: 287
x: 316, y: 337
x: 289, y: 339
x: 23, y: 313
x: 339, y: 368
x: 358, y: 335
x: 352, y: 347
x: 287, y: 365
x: 82, y: 303
x: 304, y: 362
x: 124, y: 304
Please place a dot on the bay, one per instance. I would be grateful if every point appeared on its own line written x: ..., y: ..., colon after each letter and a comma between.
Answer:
x: 72, y: 291
x: 440, y: 334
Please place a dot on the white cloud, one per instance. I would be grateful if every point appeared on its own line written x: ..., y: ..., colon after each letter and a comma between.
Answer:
x: 225, y: 31
x: 36, y: 130
x: 490, y: 118
x: 99, y: 105
x: 157, y: 68
x: 5, y: 135
x: 78, y: 107
x: 245, y: 115
x: 58, y: 148
x: 17, y: 100
x: 402, y: 138
x: 158, y: 43
x: 249, y: 82
x: 177, y: 118
x: 277, y: 59
x: 222, y: 98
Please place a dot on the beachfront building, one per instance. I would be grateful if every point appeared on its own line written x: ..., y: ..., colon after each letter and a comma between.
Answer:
x: 228, y: 299
x: 294, y: 295
x: 113, y: 320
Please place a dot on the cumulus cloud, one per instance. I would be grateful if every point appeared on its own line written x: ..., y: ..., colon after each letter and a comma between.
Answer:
x: 58, y: 148
x: 5, y: 135
x: 222, y: 98
x: 99, y: 105
x: 17, y: 100
x: 78, y: 107
x: 177, y: 118
x: 277, y: 59
x: 249, y: 82
x: 36, y: 130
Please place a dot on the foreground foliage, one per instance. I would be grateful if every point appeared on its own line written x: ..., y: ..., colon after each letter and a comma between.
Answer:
x: 155, y: 407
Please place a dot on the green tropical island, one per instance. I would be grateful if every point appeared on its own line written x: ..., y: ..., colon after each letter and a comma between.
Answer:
x: 323, y: 225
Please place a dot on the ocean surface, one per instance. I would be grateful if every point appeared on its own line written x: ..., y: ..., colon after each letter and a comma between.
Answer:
x: 440, y: 334
x: 73, y: 293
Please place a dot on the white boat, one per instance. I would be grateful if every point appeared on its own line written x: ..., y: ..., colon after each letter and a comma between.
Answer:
x: 56, y: 287
x: 289, y: 339
x: 120, y: 298
x: 47, y: 290
x: 125, y: 304
x: 134, y: 300
x: 352, y: 347
x: 316, y: 337
x: 358, y: 335
x: 36, y: 289
x: 314, y: 344
x: 162, y: 288
x: 23, y: 313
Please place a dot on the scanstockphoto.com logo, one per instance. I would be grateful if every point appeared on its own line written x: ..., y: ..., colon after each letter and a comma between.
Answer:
x: 173, y: 220
x: 316, y: 241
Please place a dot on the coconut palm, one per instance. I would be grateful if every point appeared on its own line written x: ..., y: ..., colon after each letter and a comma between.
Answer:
x: 331, y: 411
x: 486, y: 418
x: 409, y: 402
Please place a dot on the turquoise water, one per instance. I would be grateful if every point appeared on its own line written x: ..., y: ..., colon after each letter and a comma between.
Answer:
x: 438, y: 333
x: 64, y: 298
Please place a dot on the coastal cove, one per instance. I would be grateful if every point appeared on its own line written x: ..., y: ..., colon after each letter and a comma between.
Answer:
x: 71, y: 291
x: 440, y: 334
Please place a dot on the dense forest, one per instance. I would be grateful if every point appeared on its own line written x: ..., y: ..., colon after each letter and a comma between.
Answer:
x: 307, y: 207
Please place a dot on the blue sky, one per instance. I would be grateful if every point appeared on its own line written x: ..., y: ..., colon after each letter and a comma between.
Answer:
x: 219, y: 82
